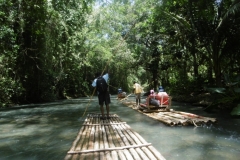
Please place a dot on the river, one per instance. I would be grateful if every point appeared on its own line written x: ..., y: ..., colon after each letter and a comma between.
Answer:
x: 46, y: 131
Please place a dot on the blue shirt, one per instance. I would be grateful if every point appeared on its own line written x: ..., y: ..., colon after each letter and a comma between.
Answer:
x: 105, y: 76
x: 120, y: 90
x: 161, y: 90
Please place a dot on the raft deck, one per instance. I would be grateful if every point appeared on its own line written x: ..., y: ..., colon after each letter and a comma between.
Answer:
x: 174, y: 118
x: 110, y: 139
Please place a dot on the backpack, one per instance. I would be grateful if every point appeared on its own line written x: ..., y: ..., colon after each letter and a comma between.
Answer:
x: 101, y: 85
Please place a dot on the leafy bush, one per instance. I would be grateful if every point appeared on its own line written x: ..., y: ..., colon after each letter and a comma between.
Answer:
x: 227, y: 97
x: 9, y: 91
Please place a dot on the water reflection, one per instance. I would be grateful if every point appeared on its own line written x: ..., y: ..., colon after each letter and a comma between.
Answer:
x: 47, y: 132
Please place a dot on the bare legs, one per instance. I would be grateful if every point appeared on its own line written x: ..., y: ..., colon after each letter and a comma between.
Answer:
x: 138, y: 102
x: 104, y: 98
x: 107, y: 107
x: 102, y: 110
x: 138, y: 99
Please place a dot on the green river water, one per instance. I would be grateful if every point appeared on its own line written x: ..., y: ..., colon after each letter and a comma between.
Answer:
x: 46, y: 132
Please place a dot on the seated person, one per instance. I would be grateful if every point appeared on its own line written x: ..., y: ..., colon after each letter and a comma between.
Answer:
x: 161, y: 92
x: 156, y: 100
x: 121, y: 94
x: 162, y: 96
x: 151, y: 99
x: 161, y: 89
x: 120, y: 90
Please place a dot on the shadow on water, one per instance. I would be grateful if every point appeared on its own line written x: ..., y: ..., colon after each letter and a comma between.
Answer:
x: 47, y: 132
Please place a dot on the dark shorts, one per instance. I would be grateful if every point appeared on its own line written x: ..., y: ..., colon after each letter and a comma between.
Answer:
x: 104, y: 98
x: 138, y: 95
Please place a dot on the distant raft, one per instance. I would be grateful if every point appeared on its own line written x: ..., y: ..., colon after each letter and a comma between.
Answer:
x: 122, y: 95
x: 110, y: 139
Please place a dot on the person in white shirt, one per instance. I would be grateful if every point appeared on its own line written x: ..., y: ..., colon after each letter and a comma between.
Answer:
x: 103, y: 97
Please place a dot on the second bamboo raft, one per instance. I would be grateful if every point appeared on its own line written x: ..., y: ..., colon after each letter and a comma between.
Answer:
x: 174, y: 118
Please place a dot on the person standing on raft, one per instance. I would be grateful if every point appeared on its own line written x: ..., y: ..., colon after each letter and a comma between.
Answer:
x: 103, y: 93
x: 137, y: 90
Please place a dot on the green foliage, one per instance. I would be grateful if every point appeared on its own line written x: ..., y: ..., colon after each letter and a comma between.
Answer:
x: 40, y: 46
x: 236, y: 111
x: 9, y: 94
x: 51, y: 49
x: 227, y: 97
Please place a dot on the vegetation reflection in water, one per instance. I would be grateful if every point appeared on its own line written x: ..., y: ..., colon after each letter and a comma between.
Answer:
x: 48, y: 132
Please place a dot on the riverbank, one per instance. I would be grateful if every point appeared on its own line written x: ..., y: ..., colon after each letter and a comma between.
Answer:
x: 210, y: 103
x: 202, y: 99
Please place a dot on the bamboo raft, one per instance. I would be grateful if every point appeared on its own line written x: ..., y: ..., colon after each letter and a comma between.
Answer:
x: 174, y: 118
x: 110, y: 139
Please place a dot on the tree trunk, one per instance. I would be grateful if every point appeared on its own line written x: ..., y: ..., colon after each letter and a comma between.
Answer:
x: 193, y: 53
x: 216, y: 52
x: 155, y: 72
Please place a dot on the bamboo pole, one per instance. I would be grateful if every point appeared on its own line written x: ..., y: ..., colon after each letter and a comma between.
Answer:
x: 74, y: 145
x: 91, y: 136
x: 101, y: 142
x: 114, y: 139
x: 110, y: 149
x: 106, y: 139
x: 87, y: 135
x: 124, y: 139
x: 145, y: 153
x: 140, y: 140
x: 163, y: 119
x: 110, y: 139
x: 173, y: 120
x: 197, y: 116
x: 182, y: 119
x: 133, y: 139
x: 151, y: 148
x: 79, y: 141
x: 193, y: 118
x: 125, y: 152
x: 86, y: 141
x: 96, y: 139
x: 168, y: 119
x: 174, y: 115
x: 188, y: 114
x: 106, y: 143
x: 121, y: 141
x: 153, y: 152
x: 105, y: 124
